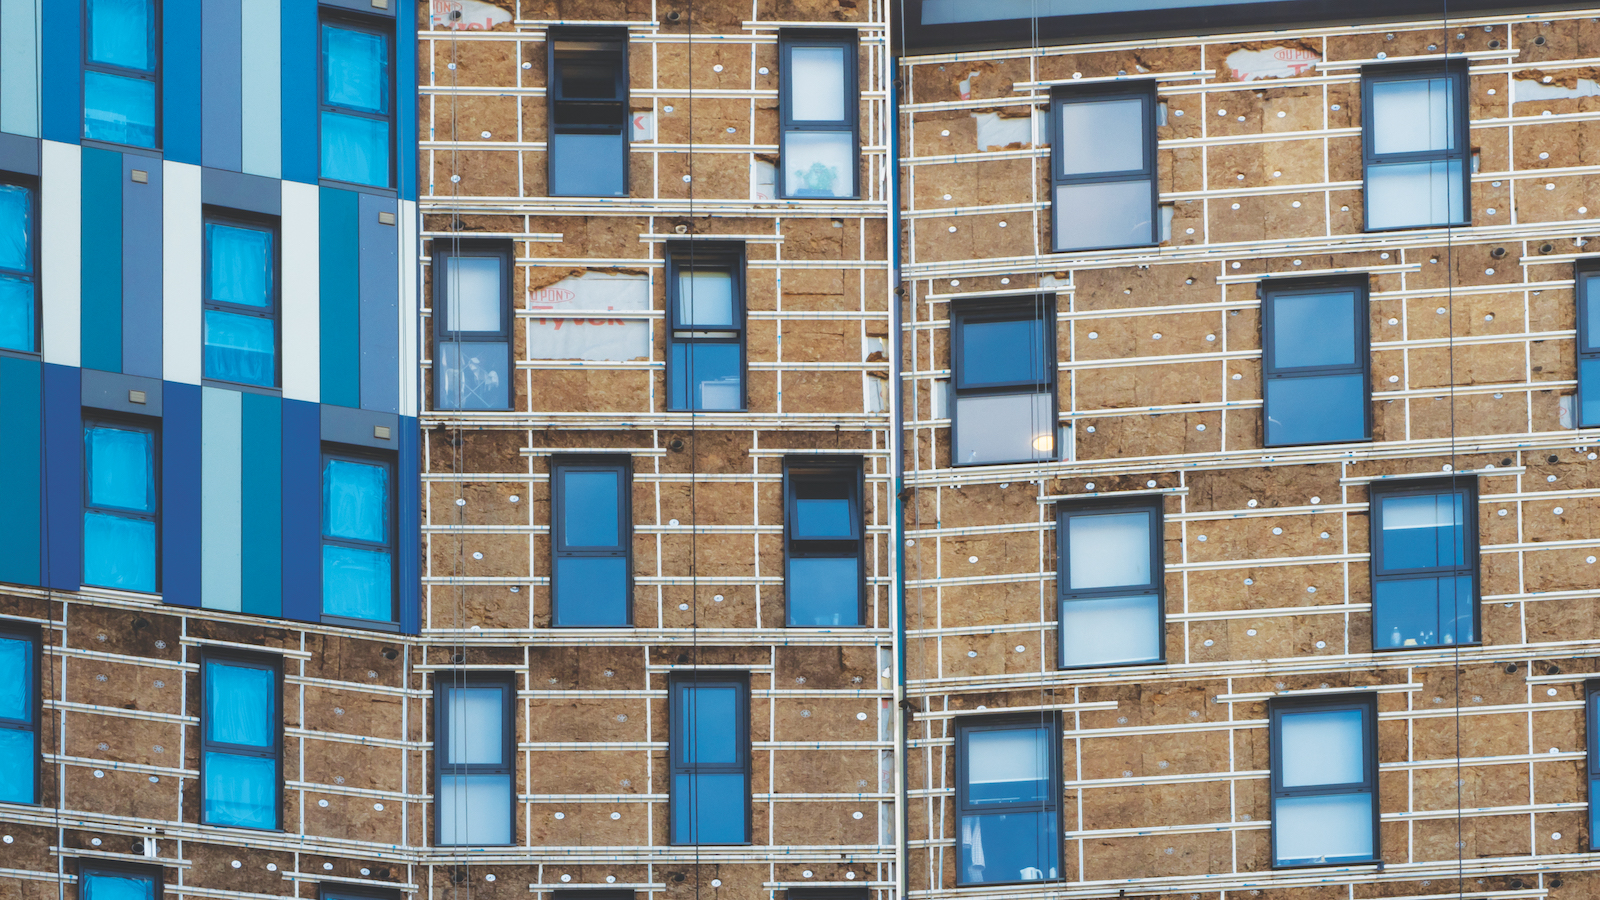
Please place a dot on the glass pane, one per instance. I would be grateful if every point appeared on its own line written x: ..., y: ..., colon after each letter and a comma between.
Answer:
x: 105, y: 886
x: 240, y: 705
x: 17, y: 765
x: 240, y: 791
x: 119, y: 553
x: 472, y: 291
x: 1594, y: 813
x: 1322, y: 747
x: 1590, y: 308
x: 357, y: 583
x: 816, y: 84
x: 355, y: 501
x: 591, y: 591
x: 1322, y: 829
x: 1589, y: 392
x: 1102, y: 136
x: 822, y: 510
x: 1000, y: 848
x: 474, y: 375
x: 819, y: 164
x: 1423, y: 612
x: 588, y: 79
x: 355, y: 71
x: 1008, y: 765
x: 241, y: 348
x: 710, y: 721
x: 121, y: 468
x: 1412, y: 116
x: 241, y: 264
x: 1422, y: 531
x: 1314, y: 330
x: 355, y: 149
x: 1111, y: 630
x: 16, y: 228
x: 16, y: 680
x: 589, y: 516
x: 1414, y: 195
x: 711, y: 371
x: 474, y: 810
x: 476, y: 726
x: 1108, y: 550
x: 122, y: 33
x: 16, y: 314
x: 1118, y: 214
x: 709, y: 808
x: 823, y: 592
x: 705, y: 299
x: 588, y: 165
x: 1011, y: 352
x: 1006, y: 428
x: 119, y: 110
x: 1316, y: 410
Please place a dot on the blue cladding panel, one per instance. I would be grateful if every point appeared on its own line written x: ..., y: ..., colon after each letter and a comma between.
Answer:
x: 141, y: 268
x: 409, y: 522
x: 221, y: 30
x: 63, y: 472
x: 20, y: 422
x: 181, y: 80
x: 380, y: 313
x: 341, y: 298
x: 406, y: 113
x: 180, y: 493
x: 102, y: 260
x: 300, y: 66
x: 302, y: 511
x: 62, y: 71
x: 263, y: 499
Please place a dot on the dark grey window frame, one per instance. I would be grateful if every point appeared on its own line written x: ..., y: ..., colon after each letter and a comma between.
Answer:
x: 255, y: 661
x: 118, y: 869
x: 30, y: 183
x: 676, y: 741
x: 559, y: 549
x: 558, y: 102
x: 1588, y: 338
x: 443, y: 680
x: 1459, y: 76
x: 1040, y: 308
x: 1051, y: 723
x: 851, y: 472
x: 711, y: 255
x: 1468, y: 487
x: 384, y: 27
x: 391, y: 543
x: 156, y: 77
x: 1276, y: 707
x: 1144, y: 91
x: 342, y: 892
x: 1270, y: 290
x: 1156, y: 508
x: 31, y: 635
x: 115, y: 420
x: 788, y: 39
x: 240, y: 219
x: 444, y: 249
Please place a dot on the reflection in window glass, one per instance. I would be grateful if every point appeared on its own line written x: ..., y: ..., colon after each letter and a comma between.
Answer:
x: 1323, y: 783
x: 1008, y: 832
x: 472, y: 363
x: 1414, y: 147
x: 591, y: 540
x: 474, y: 778
x: 1424, y: 585
x: 710, y: 760
x: 17, y: 278
x: 818, y: 144
x: 1316, y: 380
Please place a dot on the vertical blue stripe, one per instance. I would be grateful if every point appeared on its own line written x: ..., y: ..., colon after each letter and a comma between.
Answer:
x: 262, y: 495
x: 180, y: 80
x: 141, y: 268
x: 102, y: 260
x: 300, y: 66
x: 220, y: 88
x: 340, y: 298
x: 19, y: 67
x: 63, y: 472
x: 302, y: 511
x: 221, y: 449
x: 406, y: 113
x: 20, y: 436
x: 408, y: 517
x: 62, y: 71
x: 380, y: 311
x: 180, y: 493
x: 262, y: 88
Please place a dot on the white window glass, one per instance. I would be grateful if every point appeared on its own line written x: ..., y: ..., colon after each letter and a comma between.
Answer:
x: 1013, y: 763
x: 473, y: 287
x: 818, y: 163
x: 1115, y: 214
x: 816, y: 84
x: 1105, y: 136
x: 1111, y: 630
x: 1412, y: 116
x: 1414, y: 194
x: 1109, y: 550
x: 476, y: 734
x: 474, y: 810
x: 1323, y: 828
x: 705, y: 299
x: 1004, y: 428
x: 1322, y: 747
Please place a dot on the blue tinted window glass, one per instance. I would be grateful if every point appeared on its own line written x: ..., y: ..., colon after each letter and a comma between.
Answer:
x: 708, y: 808
x: 475, y: 725
x: 16, y: 228
x: 119, y: 552
x: 1316, y: 409
x: 589, y: 513
x: 17, y: 766
x: 1005, y: 847
x: 1589, y: 392
x: 121, y: 467
x: 1314, y: 330
x: 122, y: 33
x: 474, y: 375
x: 1591, y: 309
x: 710, y: 371
x: 355, y: 149
x: 823, y: 516
x: 709, y: 722
x: 241, y: 265
x: 355, y: 71
x: 357, y: 584
x: 16, y: 679
x: 240, y: 790
x: 587, y: 165
x: 106, y: 886
x: 1422, y: 531
x: 355, y: 501
x: 474, y: 810
x: 240, y: 348
x: 119, y: 110
x: 1423, y: 612
x: 240, y: 704
x: 823, y: 592
x: 591, y: 590
x: 1002, y: 353
x: 16, y: 314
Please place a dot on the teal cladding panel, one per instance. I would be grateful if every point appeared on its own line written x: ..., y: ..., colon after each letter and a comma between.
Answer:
x: 102, y: 260
x: 19, y: 67
x: 340, y: 260
x: 20, y: 460
x: 262, y: 505
x: 221, y: 427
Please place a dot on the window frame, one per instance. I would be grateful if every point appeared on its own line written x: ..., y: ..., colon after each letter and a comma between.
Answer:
x: 1144, y: 90
x: 1270, y: 290
x: 712, y: 255
x: 273, y: 664
x: 1462, y: 136
x: 788, y: 40
x: 585, y: 893
x: 385, y: 28
x: 1050, y: 721
x: 1588, y: 334
x: 364, y: 456
x: 676, y: 683
x: 560, y: 465
x: 34, y: 638
x: 88, y: 866
x: 1042, y: 308
x: 1276, y: 707
x: 851, y: 472
x: 596, y: 35
x: 443, y: 681
x: 109, y: 419
x: 1470, y: 550
x: 1156, y: 507
x: 30, y: 183
x: 214, y: 215
x: 445, y: 249
x: 326, y: 891
x: 158, y: 23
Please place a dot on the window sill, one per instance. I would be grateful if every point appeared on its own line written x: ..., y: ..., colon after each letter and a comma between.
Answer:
x: 135, y: 149
x: 359, y: 188
x: 362, y: 624
x: 1421, y: 647
x: 1120, y: 665
x: 241, y: 387
x: 1352, y: 863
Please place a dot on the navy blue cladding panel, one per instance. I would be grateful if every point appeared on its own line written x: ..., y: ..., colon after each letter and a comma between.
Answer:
x: 21, y: 517
x: 380, y: 312
x: 61, y: 70
x: 302, y: 511
x: 141, y: 268
x: 63, y: 474
x: 301, y: 157
x: 409, y: 519
x: 261, y: 587
x: 222, y: 127
x: 180, y: 493
x: 406, y: 81
x: 180, y: 80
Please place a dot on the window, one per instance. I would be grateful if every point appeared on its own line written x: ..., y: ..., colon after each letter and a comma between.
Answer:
x: 589, y: 113
x: 19, y: 278
x: 357, y: 538
x: 1592, y: 729
x: 357, y: 108
x: 1324, y: 781
x: 100, y: 881
x: 1005, y: 390
x: 705, y: 357
x: 591, y: 534
x: 1103, y: 168
x: 1588, y: 412
x: 823, y: 546
x: 474, y: 750
x: 1414, y: 146
x: 19, y: 715
x: 1110, y: 584
x: 472, y: 326
x: 1008, y: 779
x: 827, y: 893
x: 121, y: 512
x: 591, y: 894
x: 1425, y: 565
x: 120, y: 72
x: 241, y: 743
x: 241, y: 302
x: 818, y: 105
x: 1316, y: 364
x: 710, y: 737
